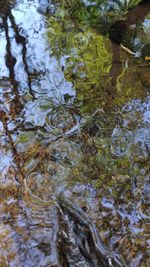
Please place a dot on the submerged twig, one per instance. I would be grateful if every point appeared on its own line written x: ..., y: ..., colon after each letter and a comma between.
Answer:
x: 127, y: 50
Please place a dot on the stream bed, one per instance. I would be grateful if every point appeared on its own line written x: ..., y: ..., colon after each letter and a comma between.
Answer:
x: 74, y: 134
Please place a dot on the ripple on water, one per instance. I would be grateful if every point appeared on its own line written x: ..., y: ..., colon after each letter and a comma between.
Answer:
x: 45, y: 144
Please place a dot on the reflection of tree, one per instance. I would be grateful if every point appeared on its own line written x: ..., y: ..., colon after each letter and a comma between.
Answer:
x: 15, y: 106
x: 5, y: 14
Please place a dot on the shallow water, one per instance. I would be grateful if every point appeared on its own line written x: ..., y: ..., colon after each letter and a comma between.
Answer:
x: 74, y: 138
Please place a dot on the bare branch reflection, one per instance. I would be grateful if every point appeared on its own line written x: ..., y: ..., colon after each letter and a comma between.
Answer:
x: 6, y: 14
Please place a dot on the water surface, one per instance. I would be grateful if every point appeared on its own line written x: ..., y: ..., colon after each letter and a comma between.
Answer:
x: 74, y: 137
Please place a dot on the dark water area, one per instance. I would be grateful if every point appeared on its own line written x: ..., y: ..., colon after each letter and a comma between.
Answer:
x: 74, y: 133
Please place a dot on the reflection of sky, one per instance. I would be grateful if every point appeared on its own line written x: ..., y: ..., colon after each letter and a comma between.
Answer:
x: 109, y: 4
x: 3, y: 69
x: 146, y: 23
x: 135, y: 131
x: 146, y: 28
x: 62, y: 156
x: 46, y: 74
x: 5, y: 163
